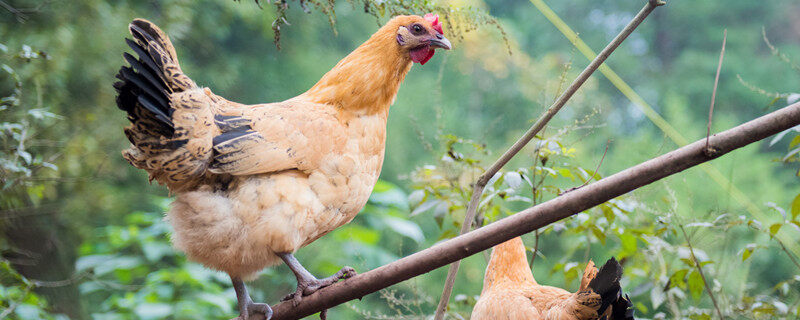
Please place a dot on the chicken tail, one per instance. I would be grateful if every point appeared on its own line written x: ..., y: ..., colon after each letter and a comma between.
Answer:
x: 621, y: 309
x: 165, y: 109
x: 606, y: 284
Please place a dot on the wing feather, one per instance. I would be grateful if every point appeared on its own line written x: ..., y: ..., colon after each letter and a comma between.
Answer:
x: 273, y: 138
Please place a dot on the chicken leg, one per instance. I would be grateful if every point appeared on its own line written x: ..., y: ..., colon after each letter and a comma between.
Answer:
x: 246, y: 305
x: 307, y: 283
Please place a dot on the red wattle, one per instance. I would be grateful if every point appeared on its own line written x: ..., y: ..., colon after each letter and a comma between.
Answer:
x: 421, y: 55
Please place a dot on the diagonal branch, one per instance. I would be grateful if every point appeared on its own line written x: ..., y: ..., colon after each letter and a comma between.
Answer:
x: 539, y: 216
x: 477, y: 191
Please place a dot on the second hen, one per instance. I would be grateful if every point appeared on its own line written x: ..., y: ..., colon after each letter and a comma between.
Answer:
x: 511, y: 293
x: 254, y: 183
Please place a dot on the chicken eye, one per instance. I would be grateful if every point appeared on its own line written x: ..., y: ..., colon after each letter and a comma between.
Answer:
x: 416, y: 28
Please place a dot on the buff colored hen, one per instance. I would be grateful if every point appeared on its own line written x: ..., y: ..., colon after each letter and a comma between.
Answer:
x: 511, y: 293
x: 254, y: 183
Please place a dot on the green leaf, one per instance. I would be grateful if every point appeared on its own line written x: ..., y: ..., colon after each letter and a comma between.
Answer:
x: 677, y: 279
x: 154, y: 251
x: 405, y: 228
x: 748, y: 251
x: 27, y: 311
x: 795, y: 206
x: 389, y: 195
x: 629, y: 246
x: 425, y: 206
x: 791, y: 154
x: 657, y: 297
x: 703, y: 315
x: 598, y: 233
x: 564, y: 172
x: 641, y: 307
x: 795, y: 141
x: 688, y: 262
x: 695, y: 284
x: 91, y: 261
x: 416, y: 197
x: 608, y: 213
x: 774, y: 228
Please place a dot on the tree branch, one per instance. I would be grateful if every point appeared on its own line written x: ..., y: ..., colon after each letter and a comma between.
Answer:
x: 539, y: 216
x: 477, y: 191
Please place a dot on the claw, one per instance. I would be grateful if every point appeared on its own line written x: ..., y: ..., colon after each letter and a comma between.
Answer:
x: 306, y: 287
x: 248, y: 308
x: 251, y: 308
x: 307, y: 284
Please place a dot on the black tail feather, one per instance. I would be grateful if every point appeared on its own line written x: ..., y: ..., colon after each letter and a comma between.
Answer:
x: 142, y: 90
x: 606, y: 284
x: 144, y: 57
x: 151, y: 106
x: 155, y: 81
x: 622, y: 309
x: 136, y: 77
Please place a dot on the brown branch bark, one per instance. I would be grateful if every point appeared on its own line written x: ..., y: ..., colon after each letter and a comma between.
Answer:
x: 539, y: 216
x: 477, y: 190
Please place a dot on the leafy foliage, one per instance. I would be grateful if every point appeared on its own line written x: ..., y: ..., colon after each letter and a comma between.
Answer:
x: 21, y: 162
x: 17, y: 299
x: 132, y: 272
x: 460, y: 20
x: 23, y: 168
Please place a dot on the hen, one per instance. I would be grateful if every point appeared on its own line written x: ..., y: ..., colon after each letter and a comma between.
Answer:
x: 510, y: 292
x: 254, y: 183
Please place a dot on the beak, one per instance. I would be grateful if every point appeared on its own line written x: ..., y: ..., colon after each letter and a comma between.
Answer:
x: 440, y: 42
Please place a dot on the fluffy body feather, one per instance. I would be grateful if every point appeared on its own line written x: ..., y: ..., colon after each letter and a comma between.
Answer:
x: 511, y: 293
x: 254, y: 181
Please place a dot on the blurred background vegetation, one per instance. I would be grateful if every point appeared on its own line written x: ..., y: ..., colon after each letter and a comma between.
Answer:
x: 83, y: 235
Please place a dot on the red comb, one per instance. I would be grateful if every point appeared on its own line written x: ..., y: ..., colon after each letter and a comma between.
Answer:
x: 434, y: 20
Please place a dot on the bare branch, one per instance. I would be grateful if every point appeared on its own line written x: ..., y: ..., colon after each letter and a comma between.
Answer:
x: 472, y: 208
x: 539, y: 216
x: 709, y: 149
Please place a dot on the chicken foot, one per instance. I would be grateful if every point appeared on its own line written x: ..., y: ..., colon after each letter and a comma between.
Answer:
x: 307, y: 283
x: 246, y: 305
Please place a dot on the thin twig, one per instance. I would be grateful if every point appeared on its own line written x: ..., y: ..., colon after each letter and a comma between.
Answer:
x: 777, y: 52
x: 535, y: 249
x: 700, y: 270
x: 594, y: 173
x: 523, y: 141
x: 791, y: 257
x: 783, y: 247
x: 75, y: 278
x: 710, y: 150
